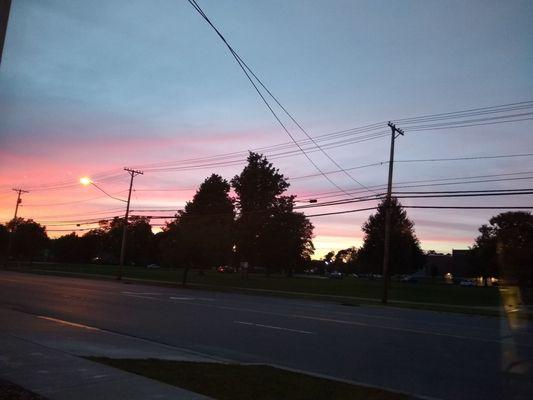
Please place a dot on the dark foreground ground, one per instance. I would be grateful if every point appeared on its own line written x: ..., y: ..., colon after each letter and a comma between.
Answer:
x: 10, y: 391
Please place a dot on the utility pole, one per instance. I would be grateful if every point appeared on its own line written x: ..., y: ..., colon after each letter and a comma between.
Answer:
x: 395, y: 132
x: 5, y: 6
x: 19, y: 200
x: 132, y: 173
x: 10, y: 241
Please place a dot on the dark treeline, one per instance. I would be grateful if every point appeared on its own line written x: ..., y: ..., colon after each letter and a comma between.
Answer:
x: 258, y: 227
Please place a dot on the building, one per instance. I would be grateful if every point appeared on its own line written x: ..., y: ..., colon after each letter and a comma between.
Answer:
x: 437, y: 264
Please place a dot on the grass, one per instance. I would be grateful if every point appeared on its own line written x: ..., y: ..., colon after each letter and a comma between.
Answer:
x: 358, y: 289
x: 10, y: 391
x: 244, y: 382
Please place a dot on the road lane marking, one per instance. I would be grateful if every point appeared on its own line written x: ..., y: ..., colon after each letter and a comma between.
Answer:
x: 353, y: 323
x: 144, y: 297
x: 63, y: 322
x: 190, y: 298
x: 279, y: 328
x: 142, y: 293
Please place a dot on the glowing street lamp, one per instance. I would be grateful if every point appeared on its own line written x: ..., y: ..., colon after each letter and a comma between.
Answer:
x: 86, y: 181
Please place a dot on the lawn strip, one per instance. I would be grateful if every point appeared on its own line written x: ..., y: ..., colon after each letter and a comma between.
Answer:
x: 244, y: 382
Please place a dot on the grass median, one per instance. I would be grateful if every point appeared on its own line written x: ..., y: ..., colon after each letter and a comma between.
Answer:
x: 244, y: 382
x: 348, y: 288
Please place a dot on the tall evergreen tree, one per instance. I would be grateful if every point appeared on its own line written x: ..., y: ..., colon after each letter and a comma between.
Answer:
x: 405, y: 252
x: 202, y: 234
x: 269, y: 233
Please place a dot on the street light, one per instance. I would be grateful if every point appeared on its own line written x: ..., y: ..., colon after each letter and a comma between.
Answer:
x: 86, y: 181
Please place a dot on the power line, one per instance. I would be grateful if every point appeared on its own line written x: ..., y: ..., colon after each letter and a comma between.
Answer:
x: 474, y: 207
x: 341, y: 212
x: 247, y: 71
x: 435, y: 182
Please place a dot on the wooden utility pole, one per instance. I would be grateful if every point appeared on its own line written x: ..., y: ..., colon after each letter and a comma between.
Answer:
x: 10, y: 241
x: 5, y: 6
x: 132, y: 173
x: 395, y: 132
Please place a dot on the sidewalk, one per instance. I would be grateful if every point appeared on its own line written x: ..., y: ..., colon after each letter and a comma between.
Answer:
x: 50, y: 368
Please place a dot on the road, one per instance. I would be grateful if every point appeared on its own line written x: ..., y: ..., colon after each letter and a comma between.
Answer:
x: 435, y: 355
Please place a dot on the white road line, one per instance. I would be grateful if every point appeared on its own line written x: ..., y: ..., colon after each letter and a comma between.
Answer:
x: 141, y: 293
x: 279, y: 328
x: 63, y: 322
x: 143, y: 297
x: 354, y: 323
x: 190, y: 298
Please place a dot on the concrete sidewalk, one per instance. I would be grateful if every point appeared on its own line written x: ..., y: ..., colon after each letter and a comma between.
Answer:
x: 60, y: 376
x: 43, y: 356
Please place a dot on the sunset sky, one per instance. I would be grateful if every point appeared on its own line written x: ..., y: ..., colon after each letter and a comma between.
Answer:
x: 87, y: 88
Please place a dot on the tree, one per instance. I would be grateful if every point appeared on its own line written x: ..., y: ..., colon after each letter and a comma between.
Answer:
x: 505, y: 247
x: 269, y: 232
x: 66, y: 248
x: 329, y: 257
x: 202, y: 235
x: 139, y: 240
x: 406, y: 254
x: 285, y: 239
x: 4, y: 239
x: 345, y: 260
x: 29, y: 238
x: 79, y: 249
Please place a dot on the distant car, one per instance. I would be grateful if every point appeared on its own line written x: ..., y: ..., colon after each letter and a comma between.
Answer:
x: 97, y: 260
x: 335, y: 275
x: 467, y: 282
x: 354, y: 276
x: 225, y: 268
x: 154, y: 266
x: 409, y: 279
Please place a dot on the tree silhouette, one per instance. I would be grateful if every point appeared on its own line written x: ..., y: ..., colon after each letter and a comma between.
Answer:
x: 201, y: 235
x: 505, y: 247
x: 269, y: 233
x: 29, y: 238
x: 406, y: 254
x: 139, y: 241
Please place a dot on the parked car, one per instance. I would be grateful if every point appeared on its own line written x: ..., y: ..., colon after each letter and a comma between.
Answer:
x: 467, y: 282
x: 154, y: 266
x: 226, y: 268
x: 335, y: 275
x: 409, y: 279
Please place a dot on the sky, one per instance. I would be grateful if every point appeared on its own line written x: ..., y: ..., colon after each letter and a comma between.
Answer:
x: 87, y: 88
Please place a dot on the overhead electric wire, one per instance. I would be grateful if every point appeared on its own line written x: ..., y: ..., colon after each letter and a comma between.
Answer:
x: 473, y: 207
x: 340, y: 212
x: 435, y: 182
x: 381, y: 197
x: 117, y: 174
x: 247, y: 71
x: 470, y: 112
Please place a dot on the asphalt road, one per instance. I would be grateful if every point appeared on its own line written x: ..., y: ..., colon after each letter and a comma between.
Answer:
x: 436, y: 355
